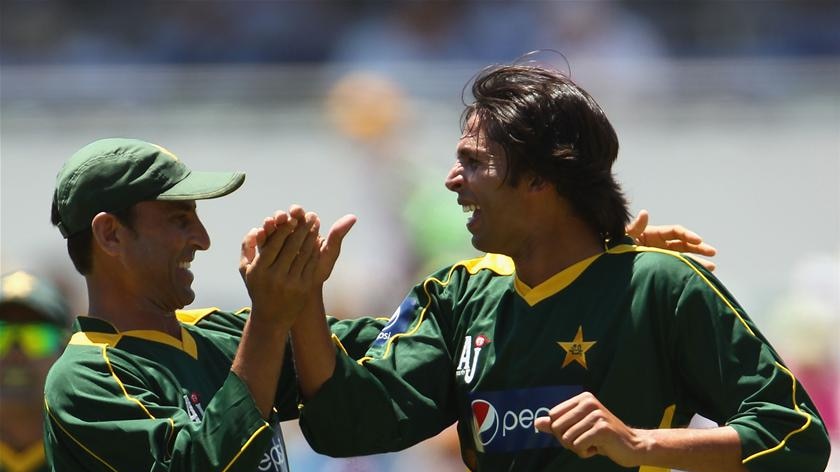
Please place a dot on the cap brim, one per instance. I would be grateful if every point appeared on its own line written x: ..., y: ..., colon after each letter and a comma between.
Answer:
x: 204, y: 185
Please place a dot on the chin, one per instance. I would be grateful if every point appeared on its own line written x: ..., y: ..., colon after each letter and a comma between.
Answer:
x: 186, y: 298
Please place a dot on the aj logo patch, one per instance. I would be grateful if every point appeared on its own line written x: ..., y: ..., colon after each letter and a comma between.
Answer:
x: 468, y: 362
x: 192, y: 403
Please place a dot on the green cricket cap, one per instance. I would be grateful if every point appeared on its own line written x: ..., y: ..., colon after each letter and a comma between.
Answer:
x: 115, y: 173
x: 24, y: 289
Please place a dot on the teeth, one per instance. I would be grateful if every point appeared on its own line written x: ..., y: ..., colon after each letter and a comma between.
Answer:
x: 469, y: 208
x: 184, y: 265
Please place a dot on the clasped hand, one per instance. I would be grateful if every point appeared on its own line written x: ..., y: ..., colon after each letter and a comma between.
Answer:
x: 285, y: 259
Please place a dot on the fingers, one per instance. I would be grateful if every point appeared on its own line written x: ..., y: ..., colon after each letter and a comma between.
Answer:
x: 248, y: 251
x: 331, y: 247
x: 638, y: 225
x: 707, y: 264
x: 272, y: 247
x: 308, y: 249
x: 339, y: 230
x: 575, y: 423
x: 294, y: 243
x: 680, y: 233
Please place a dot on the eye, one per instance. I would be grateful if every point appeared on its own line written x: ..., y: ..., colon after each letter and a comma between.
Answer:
x: 470, y: 162
x: 181, y: 219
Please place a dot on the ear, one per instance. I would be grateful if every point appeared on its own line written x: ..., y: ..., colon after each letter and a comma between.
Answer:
x: 107, y: 233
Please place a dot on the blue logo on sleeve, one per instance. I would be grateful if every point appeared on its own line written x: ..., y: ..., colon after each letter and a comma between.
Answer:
x: 503, y: 421
x: 399, y: 321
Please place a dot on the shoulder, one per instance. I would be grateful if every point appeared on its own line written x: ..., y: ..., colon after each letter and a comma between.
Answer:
x: 488, y: 266
x: 650, y: 261
x: 214, y: 319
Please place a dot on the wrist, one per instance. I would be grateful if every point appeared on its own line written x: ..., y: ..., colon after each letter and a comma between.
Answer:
x: 644, y: 446
x: 269, y: 323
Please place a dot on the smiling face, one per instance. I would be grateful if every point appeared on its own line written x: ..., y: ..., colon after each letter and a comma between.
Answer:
x: 166, y: 235
x: 499, y: 211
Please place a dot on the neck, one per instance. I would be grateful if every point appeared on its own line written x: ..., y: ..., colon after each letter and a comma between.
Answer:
x: 554, y: 248
x: 109, y: 302
x: 20, y: 424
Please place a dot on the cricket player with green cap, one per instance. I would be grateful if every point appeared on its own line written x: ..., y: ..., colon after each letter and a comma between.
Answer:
x: 144, y: 385
x: 34, y: 322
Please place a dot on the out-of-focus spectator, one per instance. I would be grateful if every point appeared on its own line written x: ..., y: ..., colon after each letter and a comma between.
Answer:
x: 804, y: 325
x: 33, y: 329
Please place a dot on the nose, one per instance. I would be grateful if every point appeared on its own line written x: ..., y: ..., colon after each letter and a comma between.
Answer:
x: 455, y: 178
x: 200, y: 237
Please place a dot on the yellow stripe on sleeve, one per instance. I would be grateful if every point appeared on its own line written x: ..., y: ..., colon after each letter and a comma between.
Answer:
x: 79, y: 443
x: 245, y: 446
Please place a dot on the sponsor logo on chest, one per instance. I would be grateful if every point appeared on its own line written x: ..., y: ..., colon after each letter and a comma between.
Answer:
x: 503, y: 421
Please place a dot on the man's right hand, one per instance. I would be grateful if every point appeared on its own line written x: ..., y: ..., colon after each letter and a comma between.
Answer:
x: 278, y: 264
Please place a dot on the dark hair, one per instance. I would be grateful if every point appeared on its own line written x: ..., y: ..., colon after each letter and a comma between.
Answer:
x: 552, y: 130
x: 79, y: 245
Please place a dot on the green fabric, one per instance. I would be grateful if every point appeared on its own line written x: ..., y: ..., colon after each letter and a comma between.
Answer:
x: 656, y: 330
x: 92, y: 425
x: 114, y: 173
x: 176, y: 413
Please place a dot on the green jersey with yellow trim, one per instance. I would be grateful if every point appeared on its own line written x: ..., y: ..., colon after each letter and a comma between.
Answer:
x: 31, y: 459
x: 654, y: 336
x: 144, y: 400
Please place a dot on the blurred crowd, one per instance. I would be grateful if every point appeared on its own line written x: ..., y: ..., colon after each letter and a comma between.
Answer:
x: 373, y: 112
x: 378, y: 30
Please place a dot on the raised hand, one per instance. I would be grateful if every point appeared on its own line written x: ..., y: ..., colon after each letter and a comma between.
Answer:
x: 278, y: 262
x: 671, y: 237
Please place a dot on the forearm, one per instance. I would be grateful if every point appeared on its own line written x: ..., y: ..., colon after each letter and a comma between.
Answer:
x: 312, y: 345
x: 259, y: 360
x: 692, y: 450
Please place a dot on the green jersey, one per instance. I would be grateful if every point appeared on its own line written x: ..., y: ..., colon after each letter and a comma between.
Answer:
x: 144, y: 400
x: 654, y: 336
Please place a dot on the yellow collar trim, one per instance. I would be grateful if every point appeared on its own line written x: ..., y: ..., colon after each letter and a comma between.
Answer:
x: 554, y: 284
x: 186, y: 343
x: 192, y: 317
x: 29, y: 459
x: 502, y: 265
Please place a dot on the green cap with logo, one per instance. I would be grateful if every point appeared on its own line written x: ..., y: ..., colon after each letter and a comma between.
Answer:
x: 24, y: 289
x: 115, y: 173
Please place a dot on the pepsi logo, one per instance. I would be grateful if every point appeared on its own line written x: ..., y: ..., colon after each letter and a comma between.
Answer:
x: 485, y: 421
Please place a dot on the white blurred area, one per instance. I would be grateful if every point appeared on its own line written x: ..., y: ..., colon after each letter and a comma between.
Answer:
x: 744, y: 151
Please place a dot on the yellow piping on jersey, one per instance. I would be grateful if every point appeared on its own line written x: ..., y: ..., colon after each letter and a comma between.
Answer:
x: 245, y: 446
x: 105, y: 340
x: 623, y: 248
x: 808, y: 419
x: 57, y: 422
x: 497, y: 263
x: 796, y: 408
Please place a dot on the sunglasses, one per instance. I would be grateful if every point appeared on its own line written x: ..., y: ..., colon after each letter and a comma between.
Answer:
x: 36, y: 340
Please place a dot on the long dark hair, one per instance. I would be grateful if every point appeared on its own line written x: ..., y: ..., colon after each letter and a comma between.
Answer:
x: 553, y: 130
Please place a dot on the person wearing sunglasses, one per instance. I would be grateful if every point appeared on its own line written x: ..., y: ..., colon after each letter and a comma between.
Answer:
x: 34, y: 320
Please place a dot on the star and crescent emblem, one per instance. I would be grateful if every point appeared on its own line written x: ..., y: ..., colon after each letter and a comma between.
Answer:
x: 576, y: 349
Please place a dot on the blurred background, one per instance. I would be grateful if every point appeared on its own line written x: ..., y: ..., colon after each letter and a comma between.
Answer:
x: 728, y: 113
